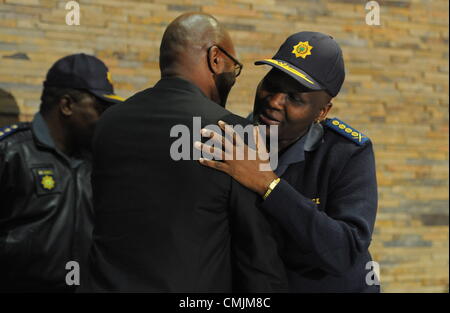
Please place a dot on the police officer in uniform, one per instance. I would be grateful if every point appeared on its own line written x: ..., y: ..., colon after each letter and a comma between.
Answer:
x: 322, y: 196
x: 45, y: 190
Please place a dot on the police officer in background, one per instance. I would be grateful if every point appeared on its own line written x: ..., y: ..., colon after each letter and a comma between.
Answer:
x: 45, y: 190
x: 322, y: 197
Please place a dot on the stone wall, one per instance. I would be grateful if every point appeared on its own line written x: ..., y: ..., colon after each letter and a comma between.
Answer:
x: 396, y: 91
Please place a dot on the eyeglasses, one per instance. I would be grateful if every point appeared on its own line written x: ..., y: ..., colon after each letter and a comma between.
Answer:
x: 237, y: 65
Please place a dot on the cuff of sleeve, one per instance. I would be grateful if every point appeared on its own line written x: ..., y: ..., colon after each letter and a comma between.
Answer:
x: 283, y: 197
x: 277, y: 193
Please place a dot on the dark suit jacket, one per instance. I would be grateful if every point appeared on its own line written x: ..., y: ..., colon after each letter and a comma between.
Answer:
x: 172, y: 226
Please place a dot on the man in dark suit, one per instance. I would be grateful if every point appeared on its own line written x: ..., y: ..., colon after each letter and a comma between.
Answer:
x: 163, y: 225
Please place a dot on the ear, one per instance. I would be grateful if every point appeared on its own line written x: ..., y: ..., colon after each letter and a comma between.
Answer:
x: 324, y: 111
x: 65, y: 105
x: 215, y: 60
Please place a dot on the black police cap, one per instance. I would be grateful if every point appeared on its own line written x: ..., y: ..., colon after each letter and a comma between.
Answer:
x: 82, y: 71
x: 313, y: 59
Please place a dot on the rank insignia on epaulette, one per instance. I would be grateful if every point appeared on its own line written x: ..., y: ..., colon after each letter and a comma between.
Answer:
x: 345, y: 130
x: 8, y: 130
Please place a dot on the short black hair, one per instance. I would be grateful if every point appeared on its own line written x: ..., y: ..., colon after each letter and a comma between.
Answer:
x: 51, y: 96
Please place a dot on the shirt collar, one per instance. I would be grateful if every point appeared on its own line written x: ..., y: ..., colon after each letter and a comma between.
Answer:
x: 314, y: 137
x: 178, y: 83
x: 309, y: 142
x: 41, y: 131
x: 296, y: 152
x: 42, y: 134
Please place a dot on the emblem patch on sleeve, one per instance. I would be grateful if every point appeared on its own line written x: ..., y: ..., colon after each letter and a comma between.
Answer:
x: 45, y: 180
x: 48, y: 182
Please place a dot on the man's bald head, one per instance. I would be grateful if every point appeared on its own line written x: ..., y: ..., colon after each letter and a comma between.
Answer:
x: 197, y: 48
x: 185, y: 39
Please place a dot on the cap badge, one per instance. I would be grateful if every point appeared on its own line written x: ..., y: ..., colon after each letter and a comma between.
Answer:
x: 303, y: 49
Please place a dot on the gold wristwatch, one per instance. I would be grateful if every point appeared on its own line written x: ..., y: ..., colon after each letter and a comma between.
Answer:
x: 272, y: 185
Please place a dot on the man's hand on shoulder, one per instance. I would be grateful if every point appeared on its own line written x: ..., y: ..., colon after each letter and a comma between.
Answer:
x: 231, y: 155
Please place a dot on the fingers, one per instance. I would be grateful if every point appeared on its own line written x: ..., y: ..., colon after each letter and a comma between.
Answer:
x: 210, y: 151
x: 214, y: 137
x: 230, y: 134
x: 236, y: 151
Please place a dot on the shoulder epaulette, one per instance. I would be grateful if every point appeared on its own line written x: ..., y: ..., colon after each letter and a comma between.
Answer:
x: 347, y: 131
x: 9, y: 130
